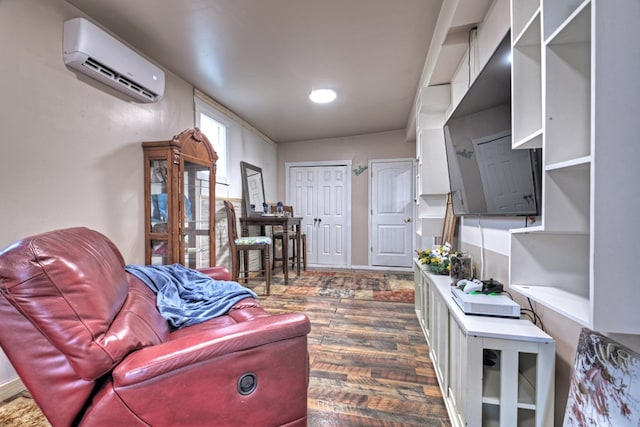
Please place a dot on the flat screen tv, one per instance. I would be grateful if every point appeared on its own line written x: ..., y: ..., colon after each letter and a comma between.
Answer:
x: 487, y: 177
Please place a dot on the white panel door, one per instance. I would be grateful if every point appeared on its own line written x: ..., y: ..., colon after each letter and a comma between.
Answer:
x: 392, y: 207
x: 319, y: 194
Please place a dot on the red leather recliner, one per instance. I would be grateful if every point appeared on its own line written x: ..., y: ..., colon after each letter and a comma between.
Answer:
x: 87, y: 340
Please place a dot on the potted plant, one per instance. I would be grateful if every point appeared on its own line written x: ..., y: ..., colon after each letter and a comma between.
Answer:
x: 438, y: 258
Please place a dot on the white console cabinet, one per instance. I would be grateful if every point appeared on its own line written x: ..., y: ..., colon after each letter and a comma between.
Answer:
x: 576, y: 95
x: 517, y: 390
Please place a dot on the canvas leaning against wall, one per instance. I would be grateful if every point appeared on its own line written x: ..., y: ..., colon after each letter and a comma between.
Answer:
x: 605, y: 384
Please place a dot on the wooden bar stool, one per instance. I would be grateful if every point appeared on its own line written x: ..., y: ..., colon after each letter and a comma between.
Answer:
x: 277, y: 235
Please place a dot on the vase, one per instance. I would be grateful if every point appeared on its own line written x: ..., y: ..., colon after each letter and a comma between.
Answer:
x: 438, y: 269
x: 460, y: 268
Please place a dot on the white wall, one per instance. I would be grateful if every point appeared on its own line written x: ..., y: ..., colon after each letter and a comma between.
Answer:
x: 245, y: 145
x: 71, y: 151
x: 71, y: 146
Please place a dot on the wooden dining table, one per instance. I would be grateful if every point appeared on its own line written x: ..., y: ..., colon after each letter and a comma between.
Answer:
x: 275, y: 220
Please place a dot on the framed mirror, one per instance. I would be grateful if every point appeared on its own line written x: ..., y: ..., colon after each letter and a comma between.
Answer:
x: 252, y: 189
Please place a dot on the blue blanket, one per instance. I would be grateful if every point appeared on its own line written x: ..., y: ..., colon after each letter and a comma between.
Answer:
x: 187, y: 297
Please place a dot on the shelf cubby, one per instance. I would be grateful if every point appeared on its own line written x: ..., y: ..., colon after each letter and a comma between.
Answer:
x: 522, y: 11
x: 553, y: 269
x: 526, y: 418
x: 566, y: 199
x: 557, y: 12
x: 490, y: 385
x: 527, y: 86
x: 551, y: 259
x: 526, y: 382
x: 568, y: 90
x: 433, y: 159
x: 490, y: 415
x: 431, y: 210
x: 528, y: 372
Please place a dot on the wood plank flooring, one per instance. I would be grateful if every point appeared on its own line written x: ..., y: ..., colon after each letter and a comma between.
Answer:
x: 369, y: 364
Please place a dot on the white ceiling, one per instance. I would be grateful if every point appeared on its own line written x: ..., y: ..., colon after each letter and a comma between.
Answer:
x: 261, y: 58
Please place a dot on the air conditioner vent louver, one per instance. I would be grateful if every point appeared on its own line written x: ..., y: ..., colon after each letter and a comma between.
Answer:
x: 96, y: 53
x: 95, y: 66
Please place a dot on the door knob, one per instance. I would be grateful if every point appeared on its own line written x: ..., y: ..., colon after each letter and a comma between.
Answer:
x: 407, y: 220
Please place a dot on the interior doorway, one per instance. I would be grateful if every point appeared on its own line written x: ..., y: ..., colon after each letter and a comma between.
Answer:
x: 392, y: 213
x: 321, y: 195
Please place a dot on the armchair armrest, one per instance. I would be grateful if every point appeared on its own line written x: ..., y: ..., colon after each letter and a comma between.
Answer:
x: 187, y: 350
x: 218, y: 272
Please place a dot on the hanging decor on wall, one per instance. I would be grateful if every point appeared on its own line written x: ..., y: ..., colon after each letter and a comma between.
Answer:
x: 467, y: 154
x: 360, y: 169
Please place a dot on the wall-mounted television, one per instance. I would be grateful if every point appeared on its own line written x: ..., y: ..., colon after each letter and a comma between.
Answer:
x: 488, y: 177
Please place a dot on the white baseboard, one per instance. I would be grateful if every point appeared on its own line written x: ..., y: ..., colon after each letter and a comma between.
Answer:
x: 11, y: 388
x: 380, y: 268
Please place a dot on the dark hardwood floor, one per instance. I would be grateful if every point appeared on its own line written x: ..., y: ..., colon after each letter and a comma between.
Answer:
x: 369, y: 363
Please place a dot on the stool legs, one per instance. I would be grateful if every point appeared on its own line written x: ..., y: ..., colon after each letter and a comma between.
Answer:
x: 304, y: 251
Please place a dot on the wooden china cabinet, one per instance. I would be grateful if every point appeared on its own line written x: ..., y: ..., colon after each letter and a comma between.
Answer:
x: 179, y: 183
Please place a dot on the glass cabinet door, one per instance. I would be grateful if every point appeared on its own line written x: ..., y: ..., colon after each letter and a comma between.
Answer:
x: 179, y: 181
x: 159, y: 212
x: 196, y: 230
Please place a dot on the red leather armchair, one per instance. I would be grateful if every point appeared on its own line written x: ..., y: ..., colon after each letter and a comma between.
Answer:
x: 87, y: 340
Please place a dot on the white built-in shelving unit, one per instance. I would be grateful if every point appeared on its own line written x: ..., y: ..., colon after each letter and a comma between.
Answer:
x: 576, y: 95
x: 433, y: 177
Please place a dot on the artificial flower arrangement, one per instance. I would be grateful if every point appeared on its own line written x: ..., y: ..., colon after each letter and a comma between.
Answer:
x: 438, y: 259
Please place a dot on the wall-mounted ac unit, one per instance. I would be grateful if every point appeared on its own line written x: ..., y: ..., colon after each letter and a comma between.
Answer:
x: 92, y: 51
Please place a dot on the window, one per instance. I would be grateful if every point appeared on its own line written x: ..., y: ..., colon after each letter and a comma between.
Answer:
x: 214, y: 125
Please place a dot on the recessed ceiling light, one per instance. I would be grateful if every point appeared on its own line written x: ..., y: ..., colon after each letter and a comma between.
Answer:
x: 322, y: 96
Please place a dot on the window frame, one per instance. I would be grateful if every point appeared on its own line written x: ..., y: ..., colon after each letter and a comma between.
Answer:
x: 203, y: 107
